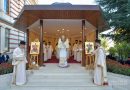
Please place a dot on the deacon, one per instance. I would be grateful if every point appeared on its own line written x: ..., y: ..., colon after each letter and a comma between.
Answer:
x: 63, y: 46
x: 57, y: 51
x: 69, y: 51
x: 45, y: 51
x: 100, y: 71
x: 75, y: 49
x: 50, y: 50
x: 19, y: 63
x: 79, y: 52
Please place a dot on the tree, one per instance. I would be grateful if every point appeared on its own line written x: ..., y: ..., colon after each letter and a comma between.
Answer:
x: 117, y: 13
x: 104, y: 43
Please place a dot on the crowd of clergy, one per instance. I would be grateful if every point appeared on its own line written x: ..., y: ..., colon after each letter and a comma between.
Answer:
x: 74, y: 50
x: 62, y: 52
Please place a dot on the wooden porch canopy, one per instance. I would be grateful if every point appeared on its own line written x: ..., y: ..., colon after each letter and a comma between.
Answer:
x: 32, y: 13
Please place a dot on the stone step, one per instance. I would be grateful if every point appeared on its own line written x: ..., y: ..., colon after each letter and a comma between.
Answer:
x: 112, y: 81
x: 62, y: 88
x: 60, y: 84
x: 59, y: 77
x: 62, y: 74
x: 62, y: 70
x: 60, y: 80
x: 73, y: 78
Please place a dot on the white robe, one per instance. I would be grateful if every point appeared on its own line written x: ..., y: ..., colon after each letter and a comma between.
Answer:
x: 49, y: 51
x: 45, y: 52
x: 75, y: 51
x: 19, y: 63
x: 100, y: 73
x: 63, y: 46
x: 57, y: 52
x: 79, y: 53
x: 69, y: 52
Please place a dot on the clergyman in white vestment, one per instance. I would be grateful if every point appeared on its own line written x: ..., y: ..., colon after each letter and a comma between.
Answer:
x: 75, y: 49
x: 79, y: 52
x: 100, y: 71
x: 45, y: 51
x: 57, y: 51
x: 69, y: 51
x: 50, y: 50
x: 63, y: 45
x: 19, y: 63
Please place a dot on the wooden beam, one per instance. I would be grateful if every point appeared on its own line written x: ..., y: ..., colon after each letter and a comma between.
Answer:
x: 83, y: 43
x: 97, y: 34
x: 28, y: 52
x: 41, y: 43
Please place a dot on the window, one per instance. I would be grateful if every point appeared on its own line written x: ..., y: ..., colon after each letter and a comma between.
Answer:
x: 7, y: 39
x: 0, y: 39
x: 6, y: 6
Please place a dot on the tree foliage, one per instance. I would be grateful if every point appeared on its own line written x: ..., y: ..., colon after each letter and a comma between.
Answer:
x: 120, y: 50
x: 117, y: 13
x: 104, y: 43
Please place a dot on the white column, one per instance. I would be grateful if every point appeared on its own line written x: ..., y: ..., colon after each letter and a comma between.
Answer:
x: 2, y: 37
x: 1, y: 5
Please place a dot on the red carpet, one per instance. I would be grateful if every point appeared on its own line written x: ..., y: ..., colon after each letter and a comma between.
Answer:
x: 55, y: 60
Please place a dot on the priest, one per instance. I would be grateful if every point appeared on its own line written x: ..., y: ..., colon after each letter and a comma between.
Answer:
x: 100, y: 71
x: 50, y: 50
x: 63, y: 46
x: 75, y: 49
x: 79, y: 52
x: 19, y: 63
x: 57, y: 51
x: 45, y: 51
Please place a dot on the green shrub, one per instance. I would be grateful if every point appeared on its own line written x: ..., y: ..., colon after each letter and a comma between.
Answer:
x: 6, y: 68
x: 121, y: 51
x: 116, y: 67
x: 112, y: 51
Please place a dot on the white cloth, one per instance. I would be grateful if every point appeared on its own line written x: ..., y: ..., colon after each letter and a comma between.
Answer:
x: 63, y: 46
x: 45, y: 52
x: 75, y: 47
x: 100, y: 73
x: 79, y: 53
x: 49, y: 51
x: 19, y: 70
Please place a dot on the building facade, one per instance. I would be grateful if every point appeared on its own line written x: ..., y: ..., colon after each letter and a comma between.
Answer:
x: 9, y: 36
x: 14, y: 7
